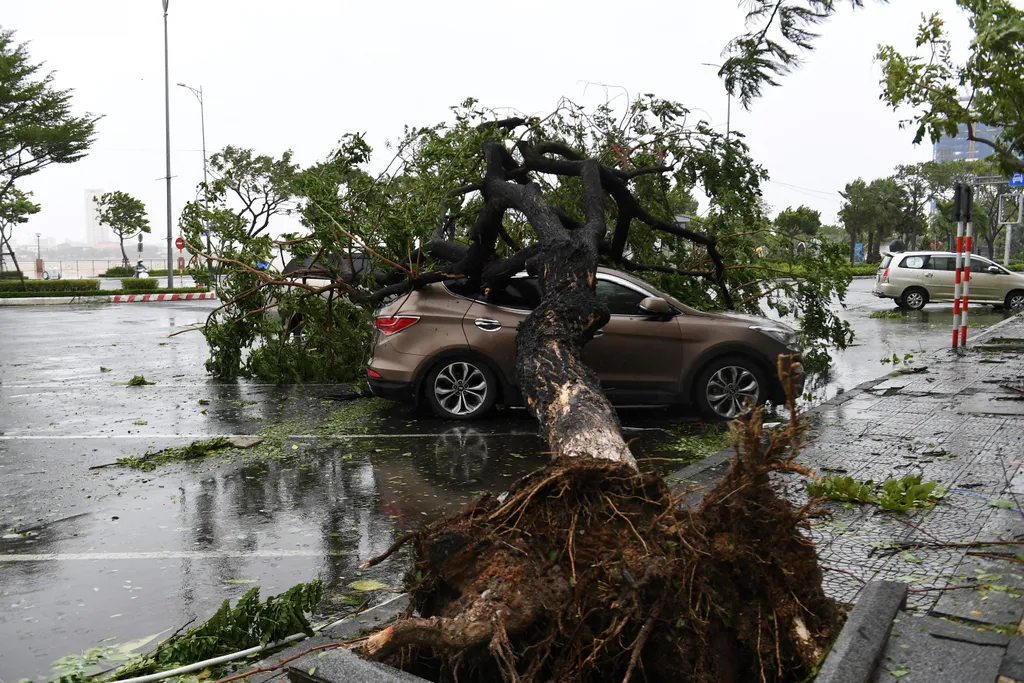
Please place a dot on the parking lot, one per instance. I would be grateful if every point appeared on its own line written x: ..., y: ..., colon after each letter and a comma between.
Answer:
x: 93, y: 550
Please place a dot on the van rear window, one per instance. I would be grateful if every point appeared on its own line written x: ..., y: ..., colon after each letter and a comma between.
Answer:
x: 885, y: 262
x: 915, y: 262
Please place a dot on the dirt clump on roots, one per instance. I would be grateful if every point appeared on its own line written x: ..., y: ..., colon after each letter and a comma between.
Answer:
x: 589, y: 571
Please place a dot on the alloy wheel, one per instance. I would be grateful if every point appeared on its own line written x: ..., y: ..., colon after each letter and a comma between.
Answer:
x: 1016, y: 302
x: 914, y: 300
x: 460, y: 388
x: 732, y: 390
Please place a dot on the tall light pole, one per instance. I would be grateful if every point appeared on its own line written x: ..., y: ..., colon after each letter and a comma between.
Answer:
x: 167, y: 126
x: 728, y: 104
x: 39, y: 253
x: 202, y: 124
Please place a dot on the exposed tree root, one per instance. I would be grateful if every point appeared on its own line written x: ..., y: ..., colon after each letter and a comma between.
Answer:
x: 589, y: 571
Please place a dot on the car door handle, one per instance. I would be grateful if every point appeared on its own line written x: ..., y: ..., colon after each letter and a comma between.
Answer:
x: 487, y: 324
x: 599, y: 333
x: 928, y: 275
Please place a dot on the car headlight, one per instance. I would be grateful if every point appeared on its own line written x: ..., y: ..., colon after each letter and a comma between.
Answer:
x: 784, y: 335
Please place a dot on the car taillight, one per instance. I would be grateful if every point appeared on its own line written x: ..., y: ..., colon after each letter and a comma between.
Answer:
x: 885, y: 275
x: 374, y: 374
x: 391, y: 324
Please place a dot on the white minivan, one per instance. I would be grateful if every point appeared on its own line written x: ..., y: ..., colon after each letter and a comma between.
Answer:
x: 915, y: 278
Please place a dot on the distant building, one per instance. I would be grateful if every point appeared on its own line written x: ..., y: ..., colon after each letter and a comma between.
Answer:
x: 960, y: 148
x: 95, y: 234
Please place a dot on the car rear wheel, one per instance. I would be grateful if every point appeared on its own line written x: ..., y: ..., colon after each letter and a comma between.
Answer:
x: 727, y: 387
x: 1015, y: 300
x: 46, y: 276
x: 461, y: 389
x: 914, y: 298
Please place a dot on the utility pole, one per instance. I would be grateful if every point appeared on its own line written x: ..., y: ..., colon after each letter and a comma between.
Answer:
x: 167, y: 127
x: 728, y: 104
x: 202, y: 124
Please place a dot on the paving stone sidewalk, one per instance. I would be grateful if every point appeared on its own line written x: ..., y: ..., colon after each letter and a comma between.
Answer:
x: 957, y: 419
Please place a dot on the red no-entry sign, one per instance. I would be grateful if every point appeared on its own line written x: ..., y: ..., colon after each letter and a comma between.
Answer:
x: 179, y: 243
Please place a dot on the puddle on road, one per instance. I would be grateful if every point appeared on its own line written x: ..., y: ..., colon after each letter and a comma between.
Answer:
x: 157, y: 548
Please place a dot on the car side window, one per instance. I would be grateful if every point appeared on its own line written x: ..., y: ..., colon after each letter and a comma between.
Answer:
x: 619, y: 300
x: 980, y: 266
x: 943, y: 263
x: 915, y: 262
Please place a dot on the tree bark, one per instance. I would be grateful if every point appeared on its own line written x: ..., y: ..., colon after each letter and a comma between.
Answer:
x: 17, y: 268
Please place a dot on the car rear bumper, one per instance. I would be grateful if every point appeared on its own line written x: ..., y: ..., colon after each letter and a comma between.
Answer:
x: 392, y: 390
x: 886, y: 290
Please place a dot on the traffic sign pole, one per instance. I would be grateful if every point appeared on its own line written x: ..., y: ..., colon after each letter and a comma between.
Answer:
x: 180, y: 244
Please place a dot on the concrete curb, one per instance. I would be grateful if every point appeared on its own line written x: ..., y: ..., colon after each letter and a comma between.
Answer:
x: 860, y: 644
x: 111, y: 299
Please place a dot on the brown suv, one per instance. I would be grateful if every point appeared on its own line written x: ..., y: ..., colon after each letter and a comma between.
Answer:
x: 455, y: 349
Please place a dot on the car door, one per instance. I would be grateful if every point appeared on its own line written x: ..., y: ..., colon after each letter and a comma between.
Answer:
x: 985, y: 286
x: 637, y: 356
x: 491, y: 326
x: 942, y: 269
x: 911, y: 273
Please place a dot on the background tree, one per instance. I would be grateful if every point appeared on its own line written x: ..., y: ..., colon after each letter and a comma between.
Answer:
x: 795, y: 225
x: 985, y: 89
x: 872, y: 212
x: 15, y: 208
x: 37, y: 128
x: 124, y: 215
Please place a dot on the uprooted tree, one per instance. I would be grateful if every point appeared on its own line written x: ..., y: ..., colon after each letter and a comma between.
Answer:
x: 588, y: 570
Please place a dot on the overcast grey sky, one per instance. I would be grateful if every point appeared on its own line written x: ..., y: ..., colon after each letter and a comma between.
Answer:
x: 298, y: 74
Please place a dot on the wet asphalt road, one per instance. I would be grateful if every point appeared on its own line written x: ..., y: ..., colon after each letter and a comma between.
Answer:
x: 90, y: 554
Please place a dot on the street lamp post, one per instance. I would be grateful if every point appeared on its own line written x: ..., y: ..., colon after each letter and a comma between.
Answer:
x: 167, y: 128
x: 728, y: 104
x: 38, y: 250
x: 202, y: 124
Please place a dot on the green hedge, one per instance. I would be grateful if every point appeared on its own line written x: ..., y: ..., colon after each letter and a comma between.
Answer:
x: 864, y: 269
x: 94, y: 293
x: 118, y: 271
x: 10, y: 275
x: 1016, y: 267
x: 50, y: 285
x: 138, y: 284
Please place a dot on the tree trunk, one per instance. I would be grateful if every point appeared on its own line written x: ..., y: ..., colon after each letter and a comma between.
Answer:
x: 124, y: 255
x: 17, y: 268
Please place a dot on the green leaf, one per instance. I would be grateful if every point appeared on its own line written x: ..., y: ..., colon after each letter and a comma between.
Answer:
x: 900, y: 672
x: 368, y: 585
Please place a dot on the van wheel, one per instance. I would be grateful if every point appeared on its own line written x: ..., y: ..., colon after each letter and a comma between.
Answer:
x: 1015, y: 300
x: 46, y: 276
x: 914, y: 299
x: 461, y: 389
x: 727, y: 387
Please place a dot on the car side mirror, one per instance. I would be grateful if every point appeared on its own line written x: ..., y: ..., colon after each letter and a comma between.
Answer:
x: 995, y: 270
x: 655, y: 305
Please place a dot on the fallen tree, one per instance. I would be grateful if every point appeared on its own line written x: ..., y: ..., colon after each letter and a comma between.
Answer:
x: 588, y: 569
x: 423, y: 218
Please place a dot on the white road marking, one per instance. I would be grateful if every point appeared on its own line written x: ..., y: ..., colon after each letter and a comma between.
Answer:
x: 66, y: 437
x: 168, y: 555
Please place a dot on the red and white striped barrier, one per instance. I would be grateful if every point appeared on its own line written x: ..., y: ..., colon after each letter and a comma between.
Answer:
x: 963, y: 213
x: 143, y: 298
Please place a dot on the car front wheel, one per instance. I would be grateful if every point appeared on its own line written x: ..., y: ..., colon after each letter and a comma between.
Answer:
x: 461, y: 389
x: 727, y: 387
x: 1015, y: 300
